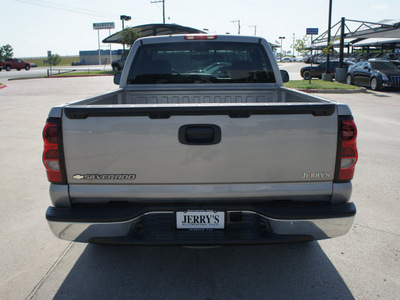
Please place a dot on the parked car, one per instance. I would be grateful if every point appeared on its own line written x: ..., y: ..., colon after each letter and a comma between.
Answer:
x: 317, y: 71
x: 15, y: 63
x: 118, y: 64
x: 217, y: 69
x: 287, y: 59
x: 396, y: 62
x: 376, y: 74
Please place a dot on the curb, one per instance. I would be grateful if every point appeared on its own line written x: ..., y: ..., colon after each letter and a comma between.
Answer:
x: 2, y: 86
x: 24, y: 78
x: 338, y: 91
x: 44, y: 77
x: 69, y: 76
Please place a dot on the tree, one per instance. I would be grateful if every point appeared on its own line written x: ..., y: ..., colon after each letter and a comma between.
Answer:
x: 6, y: 51
x: 55, y: 59
x: 330, y: 48
x: 130, y: 35
x: 301, y: 46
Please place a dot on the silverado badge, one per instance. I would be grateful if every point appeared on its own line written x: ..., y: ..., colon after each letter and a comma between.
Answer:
x: 104, y: 177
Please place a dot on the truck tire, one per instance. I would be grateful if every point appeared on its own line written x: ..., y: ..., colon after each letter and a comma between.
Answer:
x: 27, y: 67
x: 8, y: 68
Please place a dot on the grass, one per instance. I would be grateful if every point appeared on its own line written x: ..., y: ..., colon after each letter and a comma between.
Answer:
x: 317, y: 84
x: 84, y: 73
x: 65, y: 61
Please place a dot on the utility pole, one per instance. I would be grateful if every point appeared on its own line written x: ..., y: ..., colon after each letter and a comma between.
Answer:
x: 255, y: 29
x: 163, y: 7
x: 238, y: 22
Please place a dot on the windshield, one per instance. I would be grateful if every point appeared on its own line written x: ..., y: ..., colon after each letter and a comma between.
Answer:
x: 201, y: 62
x: 383, y: 66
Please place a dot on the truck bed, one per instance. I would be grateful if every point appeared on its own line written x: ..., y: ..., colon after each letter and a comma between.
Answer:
x: 276, y: 138
x: 184, y: 95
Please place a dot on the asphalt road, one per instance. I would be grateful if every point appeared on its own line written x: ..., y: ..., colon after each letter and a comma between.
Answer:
x: 364, y: 264
x: 42, y: 71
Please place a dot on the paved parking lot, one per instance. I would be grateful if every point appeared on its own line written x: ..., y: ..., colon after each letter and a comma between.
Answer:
x: 364, y: 264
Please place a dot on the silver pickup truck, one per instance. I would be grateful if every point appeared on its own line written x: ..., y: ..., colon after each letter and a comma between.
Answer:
x: 200, y: 145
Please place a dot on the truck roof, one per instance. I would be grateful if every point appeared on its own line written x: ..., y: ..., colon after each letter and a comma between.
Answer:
x: 196, y: 37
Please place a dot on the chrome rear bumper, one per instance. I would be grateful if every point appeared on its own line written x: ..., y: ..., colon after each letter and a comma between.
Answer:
x: 147, y: 225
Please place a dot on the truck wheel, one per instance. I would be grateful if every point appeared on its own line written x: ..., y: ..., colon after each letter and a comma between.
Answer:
x: 8, y: 68
x: 18, y: 69
x: 306, y: 75
x: 374, y: 84
x: 349, y: 80
x: 27, y: 67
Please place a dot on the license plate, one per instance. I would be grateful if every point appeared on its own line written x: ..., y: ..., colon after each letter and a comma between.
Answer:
x: 200, y: 219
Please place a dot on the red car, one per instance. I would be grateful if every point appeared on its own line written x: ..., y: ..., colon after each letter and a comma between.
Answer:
x: 14, y: 63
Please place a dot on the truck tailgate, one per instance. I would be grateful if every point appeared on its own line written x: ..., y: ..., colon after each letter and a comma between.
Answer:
x: 175, y: 144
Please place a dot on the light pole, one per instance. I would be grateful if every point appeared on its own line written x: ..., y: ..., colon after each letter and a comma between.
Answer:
x: 124, y: 18
x: 237, y: 21
x: 255, y: 29
x: 281, y: 38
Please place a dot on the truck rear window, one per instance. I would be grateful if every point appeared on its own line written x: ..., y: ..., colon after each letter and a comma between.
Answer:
x: 201, y: 62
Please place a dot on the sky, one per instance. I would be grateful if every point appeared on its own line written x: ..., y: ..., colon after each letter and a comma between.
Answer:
x: 32, y: 27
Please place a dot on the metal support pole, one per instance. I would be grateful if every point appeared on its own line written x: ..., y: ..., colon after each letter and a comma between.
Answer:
x: 341, y: 53
x: 329, y: 35
x: 311, y: 58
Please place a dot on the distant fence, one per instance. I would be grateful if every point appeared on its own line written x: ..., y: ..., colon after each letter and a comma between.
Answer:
x: 51, y: 72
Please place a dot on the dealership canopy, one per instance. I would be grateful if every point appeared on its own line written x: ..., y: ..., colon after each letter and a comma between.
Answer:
x: 154, y: 29
x: 354, y: 31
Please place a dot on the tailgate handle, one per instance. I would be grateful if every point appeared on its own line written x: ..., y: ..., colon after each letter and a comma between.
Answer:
x: 200, y: 134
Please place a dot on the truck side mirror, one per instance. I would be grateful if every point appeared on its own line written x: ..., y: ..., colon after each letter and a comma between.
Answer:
x: 117, y: 78
x: 285, y: 75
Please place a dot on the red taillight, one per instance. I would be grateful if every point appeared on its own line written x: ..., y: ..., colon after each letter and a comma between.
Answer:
x: 348, y: 150
x: 200, y: 37
x: 51, y: 153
